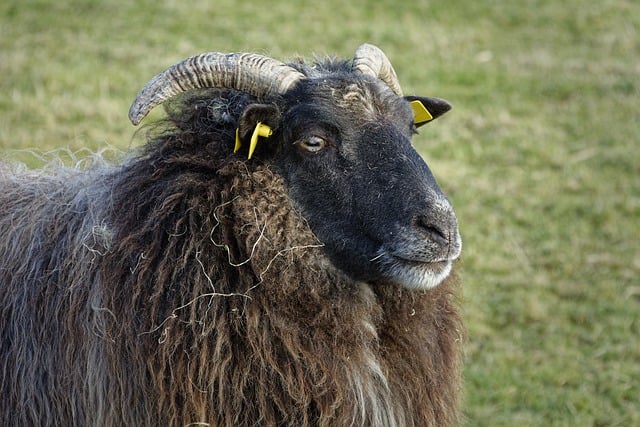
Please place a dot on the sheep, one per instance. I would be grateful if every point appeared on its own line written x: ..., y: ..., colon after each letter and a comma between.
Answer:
x: 277, y: 253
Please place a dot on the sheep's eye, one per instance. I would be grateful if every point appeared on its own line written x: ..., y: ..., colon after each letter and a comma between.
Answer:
x: 312, y: 144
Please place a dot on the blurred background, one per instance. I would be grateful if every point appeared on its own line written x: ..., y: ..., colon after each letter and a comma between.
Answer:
x: 540, y: 156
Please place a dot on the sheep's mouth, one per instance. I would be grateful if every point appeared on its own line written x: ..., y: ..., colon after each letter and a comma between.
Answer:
x: 412, y: 274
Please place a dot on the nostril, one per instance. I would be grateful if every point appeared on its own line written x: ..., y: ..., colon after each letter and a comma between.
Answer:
x: 435, y: 231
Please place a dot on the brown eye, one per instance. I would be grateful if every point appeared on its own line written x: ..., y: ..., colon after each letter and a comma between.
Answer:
x: 312, y: 144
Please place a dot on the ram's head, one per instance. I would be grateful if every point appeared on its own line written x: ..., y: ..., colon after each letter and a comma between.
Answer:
x: 339, y: 133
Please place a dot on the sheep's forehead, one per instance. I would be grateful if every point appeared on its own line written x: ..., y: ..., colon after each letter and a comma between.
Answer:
x: 356, y: 98
x: 363, y: 100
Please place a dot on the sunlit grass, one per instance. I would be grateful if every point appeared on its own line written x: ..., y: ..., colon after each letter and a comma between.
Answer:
x: 540, y: 156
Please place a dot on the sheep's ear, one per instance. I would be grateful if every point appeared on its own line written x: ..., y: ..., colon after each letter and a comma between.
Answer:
x: 256, y: 121
x: 427, y: 109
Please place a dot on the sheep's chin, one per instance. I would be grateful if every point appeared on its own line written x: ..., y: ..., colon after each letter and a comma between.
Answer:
x: 413, y: 275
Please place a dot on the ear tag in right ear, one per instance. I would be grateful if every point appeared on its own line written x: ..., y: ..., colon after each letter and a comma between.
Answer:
x: 420, y: 112
x: 260, y: 130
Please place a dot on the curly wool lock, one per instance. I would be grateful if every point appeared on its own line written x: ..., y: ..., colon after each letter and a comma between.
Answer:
x: 185, y: 286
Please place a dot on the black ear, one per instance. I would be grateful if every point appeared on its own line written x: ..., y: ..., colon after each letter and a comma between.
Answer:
x: 427, y: 109
x: 256, y: 121
x: 267, y: 114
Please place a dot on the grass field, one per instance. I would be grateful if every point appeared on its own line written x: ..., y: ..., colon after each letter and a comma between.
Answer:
x: 541, y: 156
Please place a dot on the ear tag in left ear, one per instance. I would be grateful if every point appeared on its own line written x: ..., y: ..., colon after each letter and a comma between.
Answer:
x: 260, y: 130
x: 420, y: 113
x: 238, y: 144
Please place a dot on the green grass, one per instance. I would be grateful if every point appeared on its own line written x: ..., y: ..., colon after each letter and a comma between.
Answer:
x: 541, y: 157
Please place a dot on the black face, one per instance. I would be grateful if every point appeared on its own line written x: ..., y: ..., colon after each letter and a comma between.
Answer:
x: 366, y: 193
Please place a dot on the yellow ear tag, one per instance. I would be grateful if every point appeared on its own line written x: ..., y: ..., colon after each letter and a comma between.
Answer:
x: 238, y: 144
x: 260, y: 130
x: 420, y: 112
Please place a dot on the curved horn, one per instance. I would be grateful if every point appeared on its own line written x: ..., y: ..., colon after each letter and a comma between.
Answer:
x: 372, y: 61
x: 255, y: 74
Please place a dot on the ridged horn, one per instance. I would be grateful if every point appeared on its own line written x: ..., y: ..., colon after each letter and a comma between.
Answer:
x: 247, y: 72
x: 372, y: 61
